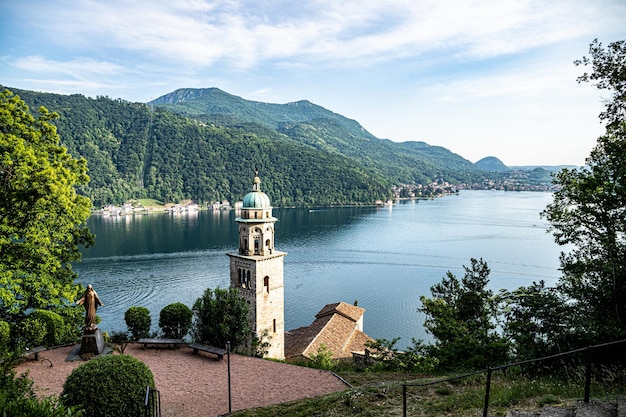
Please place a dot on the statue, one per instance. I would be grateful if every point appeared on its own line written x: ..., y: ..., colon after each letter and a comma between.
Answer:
x: 91, y: 302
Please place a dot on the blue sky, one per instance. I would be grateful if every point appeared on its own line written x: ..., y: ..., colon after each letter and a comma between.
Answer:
x: 479, y: 77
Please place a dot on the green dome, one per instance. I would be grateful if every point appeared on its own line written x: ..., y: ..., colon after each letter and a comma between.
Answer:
x: 256, y: 200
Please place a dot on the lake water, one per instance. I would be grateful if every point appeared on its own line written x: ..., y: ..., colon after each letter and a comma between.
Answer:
x: 385, y: 258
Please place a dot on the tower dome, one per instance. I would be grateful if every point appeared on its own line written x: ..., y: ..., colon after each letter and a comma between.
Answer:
x: 256, y: 199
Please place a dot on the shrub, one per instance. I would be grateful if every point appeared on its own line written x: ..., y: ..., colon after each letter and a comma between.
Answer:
x: 323, y: 358
x: 175, y: 320
x: 111, y: 386
x: 138, y: 322
x: 5, y: 335
x: 120, y: 339
x: 55, y: 327
x: 31, y: 332
x: 17, y: 398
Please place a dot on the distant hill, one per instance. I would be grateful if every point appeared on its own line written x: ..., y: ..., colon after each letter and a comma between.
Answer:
x: 493, y: 164
x: 549, y: 168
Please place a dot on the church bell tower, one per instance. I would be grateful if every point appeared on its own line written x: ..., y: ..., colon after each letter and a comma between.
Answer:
x: 256, y: 269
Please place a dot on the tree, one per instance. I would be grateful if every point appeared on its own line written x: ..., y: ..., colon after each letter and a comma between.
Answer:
x: 175, y: 320
x: 537, y: 320
x: 462, y: 316
x: 588, y: 212
x: 609, y: 73
x: 138, y: 321
x: 42, y: 218
x: 221, y: 316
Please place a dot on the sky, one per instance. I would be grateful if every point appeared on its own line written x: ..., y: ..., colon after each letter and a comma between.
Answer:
x: 478, y: 77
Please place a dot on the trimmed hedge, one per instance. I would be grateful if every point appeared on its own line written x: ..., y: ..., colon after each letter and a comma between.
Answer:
x: 55, y: 326
x: 108, y: 386
x: 175, y: 320
x: 138, y: 321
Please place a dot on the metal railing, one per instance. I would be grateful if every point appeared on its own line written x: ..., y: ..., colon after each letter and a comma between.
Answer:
x: 588, y: 364
x: 152, y: 403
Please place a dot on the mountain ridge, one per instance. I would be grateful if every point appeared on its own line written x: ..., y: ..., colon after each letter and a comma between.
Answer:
x: 325, y: 130
x: 203, y: 144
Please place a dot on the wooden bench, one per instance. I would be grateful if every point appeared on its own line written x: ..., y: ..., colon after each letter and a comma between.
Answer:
x: 160, y: 342
x: 219, y: 352
x: 34, y: 351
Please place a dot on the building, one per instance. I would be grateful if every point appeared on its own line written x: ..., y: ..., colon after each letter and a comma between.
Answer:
x: 338, y: 326
x: 256, y: 269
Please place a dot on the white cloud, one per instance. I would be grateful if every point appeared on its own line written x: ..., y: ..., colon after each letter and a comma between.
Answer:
x: 244, y: 33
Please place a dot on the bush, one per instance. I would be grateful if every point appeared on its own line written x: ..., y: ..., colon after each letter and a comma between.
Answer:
x: 32, y: 332
x: 5, y: 335
x: 17, y: 398
x: 120, y: 339
x: 323, y: 358
x: 111, y: 386
x: 175, y: 320
x: 138, y: 322
x: 55, y: 333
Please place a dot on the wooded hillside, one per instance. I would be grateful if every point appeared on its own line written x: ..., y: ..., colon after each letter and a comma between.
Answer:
x: 205, y: 147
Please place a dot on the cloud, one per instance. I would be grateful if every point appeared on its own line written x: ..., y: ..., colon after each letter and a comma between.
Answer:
x: 242, y: 34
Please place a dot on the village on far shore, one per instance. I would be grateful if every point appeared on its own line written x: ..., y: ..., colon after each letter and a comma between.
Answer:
x: 148, y: 205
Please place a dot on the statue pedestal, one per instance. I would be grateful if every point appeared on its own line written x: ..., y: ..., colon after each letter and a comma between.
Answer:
x: 92, y: 342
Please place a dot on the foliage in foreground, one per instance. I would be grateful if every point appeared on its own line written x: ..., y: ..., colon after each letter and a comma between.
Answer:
x: 17, y: 397
x: 379, y: 394
x: 43, y: 219
x: 108, y: 386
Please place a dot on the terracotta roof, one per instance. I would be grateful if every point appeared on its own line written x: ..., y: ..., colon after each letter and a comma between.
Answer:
x: 349, y: 311
x: 334, y: 326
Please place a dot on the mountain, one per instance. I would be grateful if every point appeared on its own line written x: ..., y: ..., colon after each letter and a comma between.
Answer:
x: 493, y: 164
x: 204, y: 144
x: 326, y: 131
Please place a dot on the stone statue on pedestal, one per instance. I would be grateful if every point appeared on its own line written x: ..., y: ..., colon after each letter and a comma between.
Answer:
x: 92, y: 341
x: 91, y: 302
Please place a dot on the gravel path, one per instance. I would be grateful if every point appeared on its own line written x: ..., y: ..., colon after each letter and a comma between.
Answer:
x: 197, y: 385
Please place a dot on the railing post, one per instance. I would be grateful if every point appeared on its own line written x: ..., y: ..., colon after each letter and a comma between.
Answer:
x: 487, y: 390
x: 589, y: 356
x: 403, y: 400
x: 230, y: 396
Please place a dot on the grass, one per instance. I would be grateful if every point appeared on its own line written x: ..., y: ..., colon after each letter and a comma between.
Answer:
x: 380, y: 394
x: 150, y: 202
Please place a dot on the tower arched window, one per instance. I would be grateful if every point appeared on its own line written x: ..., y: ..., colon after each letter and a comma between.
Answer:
x: 266, y: 284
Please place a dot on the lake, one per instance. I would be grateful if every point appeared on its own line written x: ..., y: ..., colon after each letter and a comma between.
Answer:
x: 385, y: 257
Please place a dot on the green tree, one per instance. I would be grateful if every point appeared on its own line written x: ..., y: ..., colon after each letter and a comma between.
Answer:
x: 588, y: 212
x: 138, y: 320
x: 221, y: 316
x: 42, y: 218
x: 175, y: 320
x: 462, y: 317
x: 537, y: 320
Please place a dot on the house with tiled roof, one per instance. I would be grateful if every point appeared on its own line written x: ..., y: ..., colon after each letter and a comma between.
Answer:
x: 338, y: 326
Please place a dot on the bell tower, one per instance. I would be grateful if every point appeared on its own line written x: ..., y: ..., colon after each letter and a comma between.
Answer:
x: 256, y: 269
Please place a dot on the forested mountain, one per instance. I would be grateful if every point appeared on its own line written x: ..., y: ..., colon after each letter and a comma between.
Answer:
x: 205, y: 144
x: 491, y: 163
x: 319, y: 128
